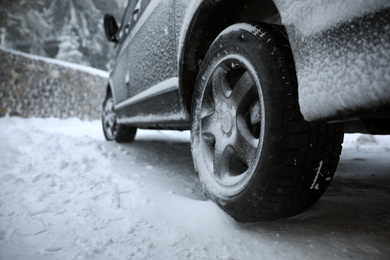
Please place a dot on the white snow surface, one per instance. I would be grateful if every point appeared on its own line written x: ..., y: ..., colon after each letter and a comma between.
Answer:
x: 66, y: 193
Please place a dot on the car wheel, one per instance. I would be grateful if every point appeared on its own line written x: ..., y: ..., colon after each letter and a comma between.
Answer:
x: 111, y: 129
x: 255, y: 155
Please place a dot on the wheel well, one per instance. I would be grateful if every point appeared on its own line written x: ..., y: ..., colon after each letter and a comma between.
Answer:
x: 109, y: 90
x: 211, y: 18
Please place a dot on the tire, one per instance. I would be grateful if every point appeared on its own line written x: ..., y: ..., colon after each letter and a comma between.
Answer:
x: 255, y: 155
x: 111, y: 129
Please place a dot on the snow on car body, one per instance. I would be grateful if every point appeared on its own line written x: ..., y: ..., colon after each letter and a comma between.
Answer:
x: 243, y: 76
x: 342, y: 55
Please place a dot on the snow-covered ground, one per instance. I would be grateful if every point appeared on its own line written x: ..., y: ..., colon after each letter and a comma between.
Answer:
x: 66, y: 193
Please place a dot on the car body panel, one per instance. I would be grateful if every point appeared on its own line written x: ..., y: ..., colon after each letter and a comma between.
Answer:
x: 150, y: 89
x: 147, y: 67
x: 342, y: 56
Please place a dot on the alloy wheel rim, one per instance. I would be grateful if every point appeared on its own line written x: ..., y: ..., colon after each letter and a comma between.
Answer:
x: 109, y: 119
x: 231, y: 123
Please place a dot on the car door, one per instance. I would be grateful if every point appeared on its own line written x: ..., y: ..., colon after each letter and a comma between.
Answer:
x: 119, y: 74
x: 151, y: 45
x: 150, y: 52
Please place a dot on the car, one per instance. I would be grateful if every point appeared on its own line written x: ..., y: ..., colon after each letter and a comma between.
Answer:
x: 267, y: 88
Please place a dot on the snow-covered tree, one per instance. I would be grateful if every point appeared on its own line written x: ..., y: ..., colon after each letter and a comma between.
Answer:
x: 54, y: 27
x: 69, y: 49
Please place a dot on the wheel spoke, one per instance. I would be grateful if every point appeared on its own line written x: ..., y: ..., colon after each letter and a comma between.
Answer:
x: 109, y: 131
x: 245, y: 146
x: 106, y: 119
x: 220, y: 84
x: 109, y: 106
x: 243, y: 87
x: 209, y: 124
x: 220, y: 161
x: 110, y: 126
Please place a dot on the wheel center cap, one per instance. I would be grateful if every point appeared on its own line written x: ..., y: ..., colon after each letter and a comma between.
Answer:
x: 227, y: 122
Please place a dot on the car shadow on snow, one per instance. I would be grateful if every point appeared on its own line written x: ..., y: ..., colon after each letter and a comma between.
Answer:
x: 350, y: 206
x: 353, y: 209
x: 356, y: 203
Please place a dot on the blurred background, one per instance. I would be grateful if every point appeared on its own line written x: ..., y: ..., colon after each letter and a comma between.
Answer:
x: 69, y: 30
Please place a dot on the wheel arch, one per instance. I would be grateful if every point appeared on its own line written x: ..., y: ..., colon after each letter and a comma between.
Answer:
x: 197, y: 37
x: 110, y: 89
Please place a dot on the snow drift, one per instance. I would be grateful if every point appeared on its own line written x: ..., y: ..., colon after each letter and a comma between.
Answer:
x: 66, y: 193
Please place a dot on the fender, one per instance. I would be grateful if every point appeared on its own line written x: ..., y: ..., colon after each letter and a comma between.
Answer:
x: 340, y: 51
x: 196, y: 34
x: 318, y: 45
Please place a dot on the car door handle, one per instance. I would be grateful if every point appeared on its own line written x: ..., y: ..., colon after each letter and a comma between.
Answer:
x: 135, y: 14
x: 127, y: 28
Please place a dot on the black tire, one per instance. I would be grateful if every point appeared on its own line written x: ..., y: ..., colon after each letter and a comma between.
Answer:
x: 111, y: 129
x: 256, y: 156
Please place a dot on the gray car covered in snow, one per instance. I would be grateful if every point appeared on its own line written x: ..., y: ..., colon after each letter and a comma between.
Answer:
x: 267, y: 87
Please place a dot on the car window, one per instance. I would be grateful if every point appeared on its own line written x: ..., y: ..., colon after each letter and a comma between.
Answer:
x: 133, y: 11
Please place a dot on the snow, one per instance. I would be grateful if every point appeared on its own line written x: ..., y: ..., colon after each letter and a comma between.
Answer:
x: 310, y: 17
x: 152, y: 6
x: 147, y: 118
x: 185, y: 11
x: 341, y: 51
x: 66, y: 193
x: 161, y: 88
x: 144, y: 61
x: 74, y: 66
x: 314, y: 185
x: 243, y: 26
x: 354, y: 77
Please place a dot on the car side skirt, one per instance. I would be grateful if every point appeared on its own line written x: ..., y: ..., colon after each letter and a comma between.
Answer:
x: 157, y: 107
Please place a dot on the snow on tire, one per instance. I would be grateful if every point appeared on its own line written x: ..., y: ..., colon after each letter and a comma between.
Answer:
x: 256, y: 156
